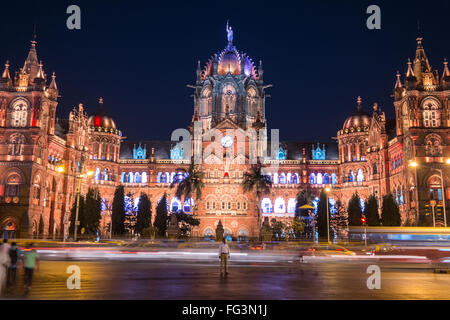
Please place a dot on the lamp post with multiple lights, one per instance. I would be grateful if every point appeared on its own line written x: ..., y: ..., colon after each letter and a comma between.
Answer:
x: 77, y: 210
x: 415, y: 164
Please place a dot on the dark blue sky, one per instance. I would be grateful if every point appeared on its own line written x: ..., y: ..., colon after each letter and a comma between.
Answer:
x: 140, y: 55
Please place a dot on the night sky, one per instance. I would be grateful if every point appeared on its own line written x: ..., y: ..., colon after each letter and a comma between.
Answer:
x: 139, y: 56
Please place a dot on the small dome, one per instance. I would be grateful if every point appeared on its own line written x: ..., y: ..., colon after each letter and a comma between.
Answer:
x: 100, y: 119
x: 358, y: 119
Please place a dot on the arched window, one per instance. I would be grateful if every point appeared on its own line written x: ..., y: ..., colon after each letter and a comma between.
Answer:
x: 105, y: 175
x: 333, y: 178
x: 319, y: 178
x: 187, y: 205
x: 375, y: 169
x: 289, y: 178
x: 434, y: 185
x: 130, y: 177
x: 159, y: 177
x: 280, y: 205
x: 172, y: 177
x: 431, y: 113
x: 37, y: 190
x: 19, y: 113
x: 137, y: 177
x: 122, y: 177
x: 166, y: 177
x: 275, y: 178
x: 295, y: 178
x: 282, y: 178
x: 175, y: 205
x: 326, y: 178
x: 16, y: 142
x: 362, y: 204
x: 360, y: 176
x: 266, y: 205
x: 312, y: 178
x: 12, y: 185
x: 209, y: 233
x: 292, y: 204
x: 97, y: 174
x: 351, y: 176
x: 144, y: 177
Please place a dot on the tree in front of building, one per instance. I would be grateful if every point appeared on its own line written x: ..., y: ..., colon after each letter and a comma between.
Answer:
x: 160, y: 222
x: 339, y: 221
x: 390, y: 214
x: 186, y: 222
x: 371, y: 211
x: 354, y: 211
x: 322, y: 219
x: 256, y: 181
x: 144, y: 213
x: 118, y: 211
x: 188, y: 182
x: 41, y: 227
x: 298, y: 227
x: 91, y: 212
x: 73, y: 213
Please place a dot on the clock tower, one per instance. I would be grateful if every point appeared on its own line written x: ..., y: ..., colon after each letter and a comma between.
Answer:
x: 229, y: 112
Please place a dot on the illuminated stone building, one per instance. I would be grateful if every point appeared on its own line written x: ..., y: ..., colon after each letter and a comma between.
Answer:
x: 42, y: 157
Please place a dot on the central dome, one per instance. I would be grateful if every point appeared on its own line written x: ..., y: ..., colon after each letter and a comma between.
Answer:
x: 231, y: 61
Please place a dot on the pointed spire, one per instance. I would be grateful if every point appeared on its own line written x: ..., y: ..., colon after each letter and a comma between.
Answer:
x: 421, y: 63
x: 398, y: 83
x: 6, y: 74
x: 31, y: 64
x: 53, y: 83
x: 40, y: 74
x: 358, y: 102
x: 409, y: 72
x: 446, y: 72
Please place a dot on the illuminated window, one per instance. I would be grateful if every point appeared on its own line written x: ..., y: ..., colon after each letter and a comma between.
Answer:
x: 19, y: 113
x: 266, y: 205
x: 280, y: 206
x: 292, y: 204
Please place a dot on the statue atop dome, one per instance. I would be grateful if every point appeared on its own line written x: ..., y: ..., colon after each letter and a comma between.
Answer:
x: 229, y: 35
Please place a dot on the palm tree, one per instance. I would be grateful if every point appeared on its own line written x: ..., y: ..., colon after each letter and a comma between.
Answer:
x: 256, y: 181
x: 191, y: 183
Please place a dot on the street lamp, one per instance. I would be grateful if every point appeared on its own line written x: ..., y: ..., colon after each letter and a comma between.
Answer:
x: 327, y: 189
x: 80, y: 177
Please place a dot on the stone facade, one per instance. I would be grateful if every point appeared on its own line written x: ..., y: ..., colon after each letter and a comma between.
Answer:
x: 42, y: 158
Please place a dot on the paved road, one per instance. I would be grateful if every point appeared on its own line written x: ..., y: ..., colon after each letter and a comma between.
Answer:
x: 192, y: 280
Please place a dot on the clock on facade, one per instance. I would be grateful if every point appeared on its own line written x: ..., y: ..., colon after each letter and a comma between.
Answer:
x: 226, y: 141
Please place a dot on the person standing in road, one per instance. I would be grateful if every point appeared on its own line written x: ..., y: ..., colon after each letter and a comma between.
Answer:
x: 30, y: 262
x: 5, y: 247
x: 12, y: 270
x: 224, y: 254
x: 4, y: 264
